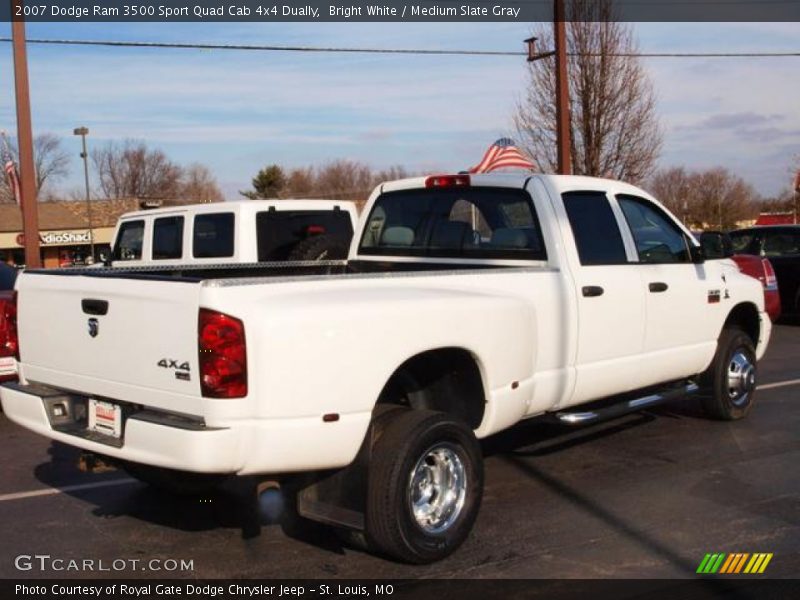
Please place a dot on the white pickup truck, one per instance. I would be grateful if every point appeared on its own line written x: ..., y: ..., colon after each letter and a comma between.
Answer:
x: 467, y: 304
x: 246, y: 231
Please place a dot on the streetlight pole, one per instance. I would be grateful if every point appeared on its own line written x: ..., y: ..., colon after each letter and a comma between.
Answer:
x: 83, y: 132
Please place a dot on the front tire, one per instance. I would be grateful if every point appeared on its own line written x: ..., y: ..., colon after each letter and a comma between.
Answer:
x: 729, y: 385
x: 424, y: 488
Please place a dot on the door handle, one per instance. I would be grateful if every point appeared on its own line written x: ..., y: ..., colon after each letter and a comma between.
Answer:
x: 592, y: 291
x: 658, y: 286
x: 94, y: 307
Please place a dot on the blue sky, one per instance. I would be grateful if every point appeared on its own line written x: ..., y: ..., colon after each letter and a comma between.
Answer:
x: 237, y: 111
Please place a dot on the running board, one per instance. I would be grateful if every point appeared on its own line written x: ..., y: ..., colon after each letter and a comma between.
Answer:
x: 626, y: 407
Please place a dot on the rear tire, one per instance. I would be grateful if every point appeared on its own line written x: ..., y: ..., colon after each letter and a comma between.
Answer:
x: 180, y: 483
x: 320, y: 247
x: 424, y: 488
x: 729, y: 385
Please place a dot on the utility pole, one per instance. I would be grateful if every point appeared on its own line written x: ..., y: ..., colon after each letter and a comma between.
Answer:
x: 562, y: 91
x: 27, y: 174
x: 563, y: 133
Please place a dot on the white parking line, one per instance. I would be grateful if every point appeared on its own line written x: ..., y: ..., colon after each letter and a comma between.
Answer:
x: 66, y: 489
x: 778, y: 384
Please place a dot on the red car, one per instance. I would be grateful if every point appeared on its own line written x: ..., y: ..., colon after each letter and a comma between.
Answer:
x: 761, y: 269
x: 719, y: 245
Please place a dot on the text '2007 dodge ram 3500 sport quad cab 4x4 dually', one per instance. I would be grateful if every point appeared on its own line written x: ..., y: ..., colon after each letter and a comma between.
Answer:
x: 467, y: 304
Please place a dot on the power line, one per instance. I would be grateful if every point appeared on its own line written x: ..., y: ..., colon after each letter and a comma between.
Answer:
x: 417, y: 51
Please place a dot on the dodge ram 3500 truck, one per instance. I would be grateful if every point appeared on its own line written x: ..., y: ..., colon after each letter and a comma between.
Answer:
x: 467, y: 304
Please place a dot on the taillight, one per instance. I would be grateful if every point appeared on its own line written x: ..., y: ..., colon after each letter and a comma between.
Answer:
x: 9, y: 342
x: 315, y: 230
x: 223, y: 355
x: 444, y: 181
x: 770, y: 281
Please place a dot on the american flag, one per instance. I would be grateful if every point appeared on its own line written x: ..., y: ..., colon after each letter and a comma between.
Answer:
x: 10, y: 169
x: 503, y: 154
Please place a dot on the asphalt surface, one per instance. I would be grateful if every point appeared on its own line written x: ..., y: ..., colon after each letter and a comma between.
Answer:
x: 645, y: 496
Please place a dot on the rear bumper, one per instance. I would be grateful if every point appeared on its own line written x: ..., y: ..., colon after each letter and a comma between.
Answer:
x: 244, y: 447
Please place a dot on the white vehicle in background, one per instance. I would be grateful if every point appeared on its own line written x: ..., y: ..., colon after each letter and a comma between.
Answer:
x: 245, y: 231
x: 467, y: 304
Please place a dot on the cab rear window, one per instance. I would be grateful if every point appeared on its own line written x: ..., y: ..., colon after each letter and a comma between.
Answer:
x: 213, y: 235
x: 279, y: 231
x: 467, y: 223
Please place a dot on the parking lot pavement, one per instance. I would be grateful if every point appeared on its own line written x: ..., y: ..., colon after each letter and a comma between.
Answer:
x: 644, y: 496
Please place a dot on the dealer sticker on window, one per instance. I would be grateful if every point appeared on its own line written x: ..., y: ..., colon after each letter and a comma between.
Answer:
x: 105, y: 418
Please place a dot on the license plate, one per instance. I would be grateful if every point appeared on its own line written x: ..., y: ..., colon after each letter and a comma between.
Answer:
x: 105, y: 418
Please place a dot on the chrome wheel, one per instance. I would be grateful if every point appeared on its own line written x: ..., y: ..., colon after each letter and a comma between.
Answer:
x: 437, y: 488
x: 741, y: 378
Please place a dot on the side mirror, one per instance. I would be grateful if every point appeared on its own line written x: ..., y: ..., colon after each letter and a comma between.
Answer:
x: 697, y: 254
x: 716, y: 245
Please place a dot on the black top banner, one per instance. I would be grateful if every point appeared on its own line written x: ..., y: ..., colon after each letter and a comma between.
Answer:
x: 264, y: 11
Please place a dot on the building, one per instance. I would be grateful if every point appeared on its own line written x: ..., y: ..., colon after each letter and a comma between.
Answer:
x: 63, y: 231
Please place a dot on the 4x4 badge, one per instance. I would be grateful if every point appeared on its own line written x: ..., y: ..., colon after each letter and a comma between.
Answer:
x: 94, y: 327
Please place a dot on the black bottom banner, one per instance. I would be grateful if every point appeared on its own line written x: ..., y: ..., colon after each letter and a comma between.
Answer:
x: 438, y: 589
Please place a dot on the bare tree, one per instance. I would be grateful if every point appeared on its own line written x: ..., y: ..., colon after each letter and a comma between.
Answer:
x: 300, y: 183
x: 722, y: 199
x: 199, y: 185
x: 714, y: 198
x: 393, y: 172
x: 614, y: 128
x: 133, y: 170
x: 673, y: 187
x: 344, y: 180
x: 341, y: 179
x: 50, y: 161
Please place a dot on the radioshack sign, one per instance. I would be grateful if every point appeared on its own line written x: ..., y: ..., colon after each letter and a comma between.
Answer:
x: 59, y: 238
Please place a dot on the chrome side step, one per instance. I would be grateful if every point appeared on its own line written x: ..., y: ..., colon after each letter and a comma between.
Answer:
x: 625, y: 407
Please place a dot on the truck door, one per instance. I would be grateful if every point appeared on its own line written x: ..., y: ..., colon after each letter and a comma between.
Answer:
x: 680, y: 332
x: 611, y: 302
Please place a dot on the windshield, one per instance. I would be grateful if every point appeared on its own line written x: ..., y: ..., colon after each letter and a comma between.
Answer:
x: 468, y: 223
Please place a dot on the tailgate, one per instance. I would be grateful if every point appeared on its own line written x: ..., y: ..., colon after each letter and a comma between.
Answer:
x: 122, y: 338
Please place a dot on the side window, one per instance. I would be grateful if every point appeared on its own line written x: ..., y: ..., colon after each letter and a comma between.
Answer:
x: 658, y: 239
x: 595, y: 228
x: 129, y: 241
x: 168, y: 238
x: 780, y: 243
x: 213, y: 235
x: 741, y: 242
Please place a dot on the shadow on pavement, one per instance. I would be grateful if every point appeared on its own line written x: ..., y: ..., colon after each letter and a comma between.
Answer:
x: 234, y: 505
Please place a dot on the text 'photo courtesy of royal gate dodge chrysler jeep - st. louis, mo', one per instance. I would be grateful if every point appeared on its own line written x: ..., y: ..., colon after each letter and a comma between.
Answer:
x: 467, y: 304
